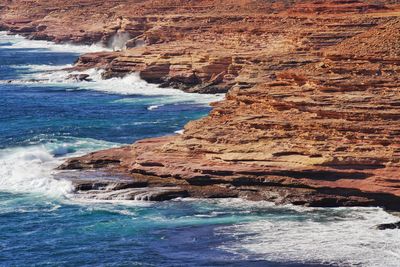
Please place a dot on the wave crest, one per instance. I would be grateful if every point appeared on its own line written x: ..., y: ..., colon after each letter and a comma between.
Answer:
x: 20, y: 42
x: 30, y: 170
x: 131, y: 84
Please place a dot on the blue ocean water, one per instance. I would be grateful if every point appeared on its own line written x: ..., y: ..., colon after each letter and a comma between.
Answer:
x: 46, y: 117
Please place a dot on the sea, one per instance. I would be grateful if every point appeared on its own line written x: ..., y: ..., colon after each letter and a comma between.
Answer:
x: 46, y: 117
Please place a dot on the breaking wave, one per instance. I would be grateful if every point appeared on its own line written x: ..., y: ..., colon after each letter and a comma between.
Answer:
x: 20, y: 42
x: 32, y: 169
x: 340, y: 236
x: 56, y: 75
x: 131, y: 84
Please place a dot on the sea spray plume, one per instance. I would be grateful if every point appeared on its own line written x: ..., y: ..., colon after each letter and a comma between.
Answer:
x: 119, y: 40
x: 30, y: 169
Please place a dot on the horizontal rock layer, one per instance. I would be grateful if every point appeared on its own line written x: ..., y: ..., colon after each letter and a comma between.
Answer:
x: 313, y: 108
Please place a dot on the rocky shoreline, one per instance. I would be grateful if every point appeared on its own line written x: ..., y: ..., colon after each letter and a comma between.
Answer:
x: 312, y: 112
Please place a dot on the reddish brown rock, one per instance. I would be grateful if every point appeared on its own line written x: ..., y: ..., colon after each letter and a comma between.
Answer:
x: 312, y: 112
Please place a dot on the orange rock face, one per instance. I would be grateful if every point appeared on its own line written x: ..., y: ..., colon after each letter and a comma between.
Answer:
x: 313, y: 105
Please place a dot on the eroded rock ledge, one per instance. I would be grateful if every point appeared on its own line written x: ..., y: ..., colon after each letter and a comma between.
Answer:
x: 313, y: 108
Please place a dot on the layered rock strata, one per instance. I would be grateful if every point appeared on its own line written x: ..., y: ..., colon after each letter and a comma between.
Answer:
x: 313, y: 105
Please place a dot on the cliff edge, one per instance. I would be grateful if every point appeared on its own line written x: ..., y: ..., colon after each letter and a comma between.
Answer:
x: 312, y: 110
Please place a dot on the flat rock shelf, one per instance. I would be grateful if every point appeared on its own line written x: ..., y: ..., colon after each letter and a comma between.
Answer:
x: 311, y: 114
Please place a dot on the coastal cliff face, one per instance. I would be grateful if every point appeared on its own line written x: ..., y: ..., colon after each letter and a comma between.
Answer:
x: 312, y: 111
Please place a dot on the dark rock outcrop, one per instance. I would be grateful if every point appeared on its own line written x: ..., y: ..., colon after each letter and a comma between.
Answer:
x: 389, y: 226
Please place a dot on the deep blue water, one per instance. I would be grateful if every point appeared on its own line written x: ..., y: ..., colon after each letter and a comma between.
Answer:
x: 29, y: 110
x: 44, y: 117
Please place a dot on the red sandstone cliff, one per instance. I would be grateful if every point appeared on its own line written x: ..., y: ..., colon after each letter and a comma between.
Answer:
x: 313, y: 108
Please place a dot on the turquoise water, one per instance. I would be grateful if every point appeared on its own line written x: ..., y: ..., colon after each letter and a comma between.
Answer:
x: 45, y: 118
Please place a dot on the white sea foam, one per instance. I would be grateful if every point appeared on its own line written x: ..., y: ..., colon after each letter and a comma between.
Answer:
x: 116, y: 203
x: 131, y: 84
x: 343, y: 236
x: 43, y: 68
x: 180, y: 131
x: 19, y: 42
x: 31, y: 169
x: 153, y: 107
x: 78, y: 147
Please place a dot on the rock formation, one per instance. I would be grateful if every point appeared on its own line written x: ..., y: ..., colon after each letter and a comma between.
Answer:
x: 312, y: 110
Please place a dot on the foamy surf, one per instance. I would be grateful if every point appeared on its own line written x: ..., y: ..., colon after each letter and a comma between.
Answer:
x: 342, y: 236
x: 55, y: 75
x: 154, y: 107
x: 32, y: 169
x: 110, y: 204
x: 42, y: 68
x: 20, y: 42
x: 131, y: 84
x: 180, y: 131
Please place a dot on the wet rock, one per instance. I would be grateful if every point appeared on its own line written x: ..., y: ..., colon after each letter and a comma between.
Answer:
x: 389, y: 226
x: 311, y: 116
x: 85, y: 185
x: 141, y: 194
x: 80, y: 77
x: 41, y: 27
